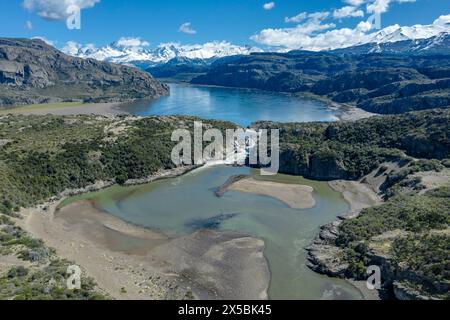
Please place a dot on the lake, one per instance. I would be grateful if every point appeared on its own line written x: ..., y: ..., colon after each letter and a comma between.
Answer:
x: 240, y: 106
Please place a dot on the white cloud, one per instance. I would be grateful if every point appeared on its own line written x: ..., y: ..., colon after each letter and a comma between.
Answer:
x: 306, y: 36
x: 364, y: 26
x: 293, y: 37
x: 298, y: 18
x: 71, y: 48
x: 347, y: 12
x: 312, y: 33
x: 187, y: 28
x: 132, y: 42
x: 355, y: 3
x: 302, y: 16
x: 29, y: 25
x: 55, y: 9
x: 442, y: 21
x: 378, y: 6
x: 49, y: 42
x: 269, y: 6
x: 382, y: 6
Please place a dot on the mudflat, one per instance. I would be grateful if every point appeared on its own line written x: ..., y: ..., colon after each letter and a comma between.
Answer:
x: 130, y: 262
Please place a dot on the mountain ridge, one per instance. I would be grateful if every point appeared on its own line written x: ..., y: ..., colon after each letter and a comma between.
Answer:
x: 138, y: 54
x: 32, y: 72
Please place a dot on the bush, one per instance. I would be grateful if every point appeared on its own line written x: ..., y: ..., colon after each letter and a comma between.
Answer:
x: 17, y: 272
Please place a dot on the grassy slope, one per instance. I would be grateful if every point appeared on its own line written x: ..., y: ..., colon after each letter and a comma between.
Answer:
x: 41, y: 107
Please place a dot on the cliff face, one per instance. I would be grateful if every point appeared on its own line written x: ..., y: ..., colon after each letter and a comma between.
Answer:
x: 350, y: 150
x: 407, y: 235
x: 33, y: 72
x: 379, y: 83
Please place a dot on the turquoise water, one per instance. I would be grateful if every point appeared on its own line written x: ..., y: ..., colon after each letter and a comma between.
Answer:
x: 240, y: 106
x: 183, y: 205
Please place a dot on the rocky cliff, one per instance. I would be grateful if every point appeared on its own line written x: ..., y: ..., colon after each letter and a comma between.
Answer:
x: 33, y: 72
x: 350, y: 150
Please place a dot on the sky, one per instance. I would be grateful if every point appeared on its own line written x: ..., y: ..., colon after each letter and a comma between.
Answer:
x: 285, y: 23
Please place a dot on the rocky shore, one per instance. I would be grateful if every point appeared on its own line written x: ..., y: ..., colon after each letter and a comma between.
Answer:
x: 398, y: 281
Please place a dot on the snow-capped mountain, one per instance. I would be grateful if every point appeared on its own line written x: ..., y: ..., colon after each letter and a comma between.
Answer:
x: 137, y: 52
x: 396, y: 33
x: 439, y: 44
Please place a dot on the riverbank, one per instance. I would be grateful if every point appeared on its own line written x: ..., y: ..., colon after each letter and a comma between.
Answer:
x: 130, y: 262
x: 358, y: 195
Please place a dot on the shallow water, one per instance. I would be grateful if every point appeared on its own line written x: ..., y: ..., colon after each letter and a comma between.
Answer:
x: 240, y: 106
x: 182, y: 205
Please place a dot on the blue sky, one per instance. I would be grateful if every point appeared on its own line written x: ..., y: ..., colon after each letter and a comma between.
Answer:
x: 159, y: 21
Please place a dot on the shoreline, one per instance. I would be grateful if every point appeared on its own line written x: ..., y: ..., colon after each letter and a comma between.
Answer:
x: 323, y: 254
x: 346, y: 112
x: 95, y: 239
x: 358, y: 195
x: 45, y: 222
x: 101, y: 185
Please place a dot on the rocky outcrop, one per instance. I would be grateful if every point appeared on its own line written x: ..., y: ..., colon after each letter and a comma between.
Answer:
x: 33, y: 72
x: 318, y: 166
x: 323, y: 255
x: 403, y: 291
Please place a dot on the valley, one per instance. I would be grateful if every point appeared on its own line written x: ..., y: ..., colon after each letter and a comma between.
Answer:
x: 87, y: 176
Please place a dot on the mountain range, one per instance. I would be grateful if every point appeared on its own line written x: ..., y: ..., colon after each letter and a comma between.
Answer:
x: 378, y: 82
x: 126, y: 51
x: 133, y: 51
x: 439, y: 44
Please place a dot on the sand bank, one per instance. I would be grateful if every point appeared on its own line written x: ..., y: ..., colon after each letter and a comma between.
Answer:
x: 357, y: 194
x: 294, y: 195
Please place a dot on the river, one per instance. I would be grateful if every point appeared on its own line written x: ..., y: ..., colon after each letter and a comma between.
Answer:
x: 183, y: 205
